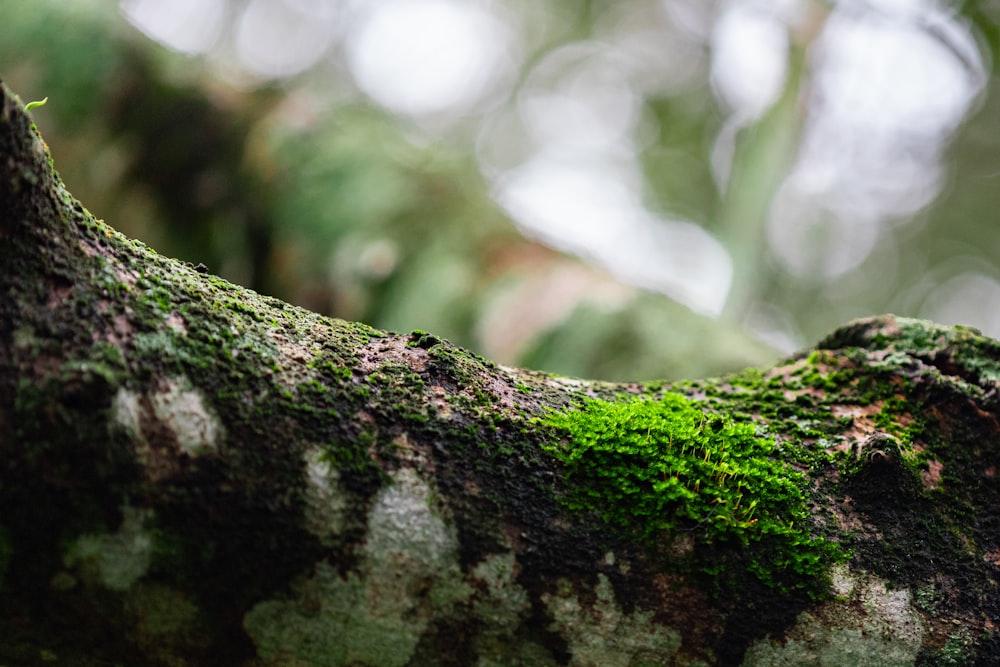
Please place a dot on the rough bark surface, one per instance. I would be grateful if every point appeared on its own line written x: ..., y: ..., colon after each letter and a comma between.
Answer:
x: 192, y: 473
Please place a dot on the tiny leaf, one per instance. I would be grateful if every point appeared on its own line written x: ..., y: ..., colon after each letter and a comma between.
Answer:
x: 31, y: 105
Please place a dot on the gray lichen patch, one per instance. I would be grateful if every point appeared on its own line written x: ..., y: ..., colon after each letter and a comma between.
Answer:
x: 506, y: 602
x: 125, y: 412
x: 113, y: 561
x: 406, y: 529
x: 601, y: 634
x: 184, y: 411
x: 866, y: 622
x: 407, y: 578
x: 174, y: 415
x: 501, y: 610
x: 325, y: 501
x: 174, y: 409
x: 331, y: 621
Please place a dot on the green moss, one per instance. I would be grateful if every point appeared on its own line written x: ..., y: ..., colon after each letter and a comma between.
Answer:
x: 955, y: 649
x: 353, y: 459
x: 896, y: 418
x: 876, y: 455
x: 422, y: 339
x: 666, y: 470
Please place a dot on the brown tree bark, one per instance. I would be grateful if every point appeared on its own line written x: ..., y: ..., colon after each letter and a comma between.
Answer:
x: 193, y: 473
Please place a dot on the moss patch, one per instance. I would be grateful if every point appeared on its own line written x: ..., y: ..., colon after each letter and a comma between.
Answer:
x: 669, y: 473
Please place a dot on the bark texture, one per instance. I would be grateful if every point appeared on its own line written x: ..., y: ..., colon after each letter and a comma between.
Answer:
x: 194, y: 474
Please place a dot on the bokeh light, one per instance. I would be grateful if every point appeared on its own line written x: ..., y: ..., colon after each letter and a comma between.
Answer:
x: 280, y: 38
x: 749, y: 159
x: 188, y: 26
x: 971, y: 298
x: 749, y: 59
x: 419, y: 57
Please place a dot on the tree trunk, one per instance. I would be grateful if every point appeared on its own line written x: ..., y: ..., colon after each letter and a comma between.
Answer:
x: 193, y: 473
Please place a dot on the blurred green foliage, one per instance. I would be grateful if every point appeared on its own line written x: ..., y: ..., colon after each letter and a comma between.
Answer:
x: 346, y: 209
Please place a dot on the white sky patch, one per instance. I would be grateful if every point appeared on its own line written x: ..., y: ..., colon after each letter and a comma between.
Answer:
x: 576, y: 205
x: 684, y: 261
x: 578, y: 186
x: 693, y: 16
x: 890, y: 76
x: 593, y: 209
x: 972, y: 299
x: 813, y: 241
x: 890, y: 82
x: 774, y: 326
x: 749, y: 59
x: 418, y: 57
x: 663, y: 58
x: 581, y: 99
x: 189, y: 26
x: 280, y: 38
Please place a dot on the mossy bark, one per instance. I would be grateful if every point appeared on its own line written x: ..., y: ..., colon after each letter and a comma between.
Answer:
x: 192, y: 473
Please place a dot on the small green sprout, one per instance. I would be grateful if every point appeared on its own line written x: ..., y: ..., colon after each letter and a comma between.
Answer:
x: 38, y: 103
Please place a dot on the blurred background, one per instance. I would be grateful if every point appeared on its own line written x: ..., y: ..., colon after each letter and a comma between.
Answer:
x: 613, y: 189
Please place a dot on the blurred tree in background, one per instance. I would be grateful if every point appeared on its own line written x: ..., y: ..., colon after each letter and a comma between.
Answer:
x: 617, y: 190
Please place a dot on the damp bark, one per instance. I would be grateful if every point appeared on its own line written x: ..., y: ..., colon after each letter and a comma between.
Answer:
x: 193, y: 473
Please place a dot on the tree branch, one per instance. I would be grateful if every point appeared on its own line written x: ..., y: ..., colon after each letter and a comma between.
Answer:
x: 193, y: 473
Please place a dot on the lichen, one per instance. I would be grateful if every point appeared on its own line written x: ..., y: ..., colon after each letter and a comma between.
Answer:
x: 113, y: 561
x: 884, y: 629
x: 507, y: 603
x: 325, y: 501
x: 185, y: 412
x: 601, y: 634
x: 377, y: 614
x: 407, y: 584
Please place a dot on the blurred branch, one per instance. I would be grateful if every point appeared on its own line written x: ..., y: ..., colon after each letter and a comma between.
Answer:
x: 765, y: 151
